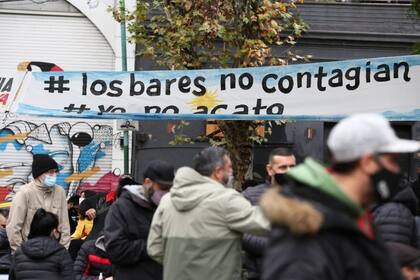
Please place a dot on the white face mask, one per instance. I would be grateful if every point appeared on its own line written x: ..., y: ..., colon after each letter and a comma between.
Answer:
x: 229, y: 182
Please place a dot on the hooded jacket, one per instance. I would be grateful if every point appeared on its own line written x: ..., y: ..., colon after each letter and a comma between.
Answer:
x: 126, y: 229
x: 27, y: 200
x: 395, y: 220
x: 41, y: 258
x: 343, y: 248
x: 92, y: 260
x: 197, y: 229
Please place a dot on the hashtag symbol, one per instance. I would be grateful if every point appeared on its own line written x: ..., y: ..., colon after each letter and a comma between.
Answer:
x: 56, y: 85
x: 72, y: 108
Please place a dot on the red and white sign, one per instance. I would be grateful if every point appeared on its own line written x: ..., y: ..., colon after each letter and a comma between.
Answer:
x: 10, y: 83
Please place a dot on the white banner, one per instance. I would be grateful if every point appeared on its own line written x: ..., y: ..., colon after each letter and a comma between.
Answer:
x: 318, y: 91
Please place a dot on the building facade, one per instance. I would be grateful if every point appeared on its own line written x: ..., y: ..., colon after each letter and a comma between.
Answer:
x: 60, y: 36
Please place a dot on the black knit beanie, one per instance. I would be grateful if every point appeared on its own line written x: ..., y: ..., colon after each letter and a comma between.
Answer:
x: 41, y: 164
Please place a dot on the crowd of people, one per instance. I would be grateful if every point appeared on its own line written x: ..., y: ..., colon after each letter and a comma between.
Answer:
x: 355, y: 218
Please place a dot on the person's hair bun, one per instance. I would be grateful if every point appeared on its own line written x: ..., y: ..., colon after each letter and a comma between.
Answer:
x: 43, y: 223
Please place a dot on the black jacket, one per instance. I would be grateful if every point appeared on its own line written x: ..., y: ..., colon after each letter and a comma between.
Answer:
x: 338, y: 251
x: 92, y: 260
x: 395, y: 220
x: 101, y: 204
x: 253, y: 245
x: 127, y: 227
x: 41, y: 258
x: 254, y: 193
x: 417, y: 220
x: 5, y: 252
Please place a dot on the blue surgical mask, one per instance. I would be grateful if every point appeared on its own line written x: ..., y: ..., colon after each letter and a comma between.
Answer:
x: 49, y: 181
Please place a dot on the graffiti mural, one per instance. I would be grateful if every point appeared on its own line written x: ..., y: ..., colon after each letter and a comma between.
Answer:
x: 82, y: 150
x: 39, y: 66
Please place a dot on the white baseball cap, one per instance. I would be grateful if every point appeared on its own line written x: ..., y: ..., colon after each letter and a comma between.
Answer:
x: 362, y: 134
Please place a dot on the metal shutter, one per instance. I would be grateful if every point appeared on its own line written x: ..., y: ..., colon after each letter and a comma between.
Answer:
x: 69, y: 40
x: 83, y: 148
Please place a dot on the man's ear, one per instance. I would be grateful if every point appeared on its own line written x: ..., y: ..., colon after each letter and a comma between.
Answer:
x: 54, y: 232
x: 147, y: 181
x: 217, y: 173
x: 368, y: 164
x: 148, y: 185
x: 269, y: 169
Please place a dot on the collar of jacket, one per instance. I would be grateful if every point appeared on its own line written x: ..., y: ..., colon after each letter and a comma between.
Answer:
x: 100, y: 243
x: 313, y: 174
x: 38, y: 186
x: 365, y: 224
x: 137, y: 195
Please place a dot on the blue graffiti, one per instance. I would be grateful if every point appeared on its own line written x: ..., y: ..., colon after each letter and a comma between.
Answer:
x: 6, y: 133
x: 100, y: 155
x: 39, y: 149
x: 88, y: 155
x: 61, y: 179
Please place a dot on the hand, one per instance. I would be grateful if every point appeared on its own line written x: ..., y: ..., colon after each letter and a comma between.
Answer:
x: 91, y: 213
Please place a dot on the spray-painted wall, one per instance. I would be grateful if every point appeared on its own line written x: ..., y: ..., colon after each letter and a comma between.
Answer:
x: 83, y: 150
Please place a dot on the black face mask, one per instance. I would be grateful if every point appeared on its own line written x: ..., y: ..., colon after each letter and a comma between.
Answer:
x: 386, y: 183
x: 280, y: 178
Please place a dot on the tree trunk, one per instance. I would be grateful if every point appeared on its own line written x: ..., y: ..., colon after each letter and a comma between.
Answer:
x: 237, y: 136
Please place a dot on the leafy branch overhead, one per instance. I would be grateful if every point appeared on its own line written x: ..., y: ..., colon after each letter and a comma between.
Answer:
x: 194, y: 34
x: 185, y: 34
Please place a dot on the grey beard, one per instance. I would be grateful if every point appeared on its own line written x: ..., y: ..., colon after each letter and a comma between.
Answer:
x: 229, y: 182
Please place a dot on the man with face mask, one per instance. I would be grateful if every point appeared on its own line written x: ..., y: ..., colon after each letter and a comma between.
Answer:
x: 196, y: 230
x: 128, y: 222
x: 395, y: 220
x: 280, y: 161
x: 364, y: 170
x: 42, y: 192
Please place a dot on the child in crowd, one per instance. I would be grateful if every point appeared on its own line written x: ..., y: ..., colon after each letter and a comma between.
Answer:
x: 92, y: 261
x: 42, y: 256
